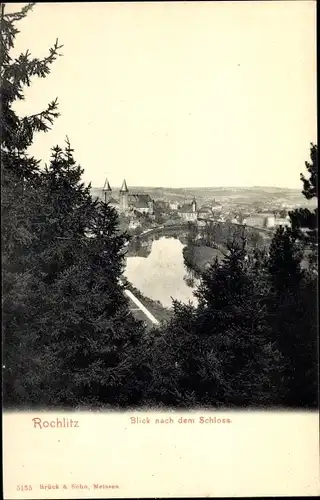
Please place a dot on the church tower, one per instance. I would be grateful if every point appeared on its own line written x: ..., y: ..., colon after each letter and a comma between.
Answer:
x: 194, y: 205
x: 106, y: 191
x: 124, y: 199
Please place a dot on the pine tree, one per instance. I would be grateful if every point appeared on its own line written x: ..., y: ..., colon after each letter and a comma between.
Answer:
x: 310, y: 186
x: 221, y: 354
x: 285, y: 256
x: 20, y: 200
x: 304, y: 222
x: 95, y: 338
x: 70, y: 338
x: 291, y: 299
x: 232, y: 317
x: 291, y: 303
x: 171, y: 353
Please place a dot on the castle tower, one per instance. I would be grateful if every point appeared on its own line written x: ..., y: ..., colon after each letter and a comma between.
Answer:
x: 106, y: 191
x: 124, y: 199
x: 194, y: 205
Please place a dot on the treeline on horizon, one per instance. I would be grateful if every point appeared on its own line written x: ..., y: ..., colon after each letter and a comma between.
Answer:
x: 70, y: 339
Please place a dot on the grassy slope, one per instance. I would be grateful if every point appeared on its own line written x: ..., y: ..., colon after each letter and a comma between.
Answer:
x: 160, y: 312
x: 204, y: 255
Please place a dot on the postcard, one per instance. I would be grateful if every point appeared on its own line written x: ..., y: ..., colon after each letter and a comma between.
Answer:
x: 159, y: 167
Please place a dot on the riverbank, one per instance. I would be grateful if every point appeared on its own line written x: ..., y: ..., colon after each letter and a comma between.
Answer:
x: 160, y: 312
x: 197, y: 257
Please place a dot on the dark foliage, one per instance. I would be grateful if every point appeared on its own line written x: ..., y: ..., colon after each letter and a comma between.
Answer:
x: 70, y: 338
x: 304, y: 221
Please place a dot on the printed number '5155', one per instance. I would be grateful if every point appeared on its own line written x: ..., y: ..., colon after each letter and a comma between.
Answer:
x: 24, y: 487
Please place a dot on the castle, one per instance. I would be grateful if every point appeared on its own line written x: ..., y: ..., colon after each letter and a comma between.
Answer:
x: 128, y: 202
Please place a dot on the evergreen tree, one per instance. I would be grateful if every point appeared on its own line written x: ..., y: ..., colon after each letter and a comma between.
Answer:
x: 291, y: 299
x: 20, y: 200
x: 171, y: 355
x: 232, y: 316
x: 292, y: 311
x: 285, y: 256
x: 70, y: 338
x: 220, y: 354
x: 304, y: 221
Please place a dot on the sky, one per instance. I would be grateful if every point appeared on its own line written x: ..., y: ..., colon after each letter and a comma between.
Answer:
x: 181, y: 94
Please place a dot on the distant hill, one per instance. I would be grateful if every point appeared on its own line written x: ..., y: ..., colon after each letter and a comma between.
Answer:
x: 223, y: 194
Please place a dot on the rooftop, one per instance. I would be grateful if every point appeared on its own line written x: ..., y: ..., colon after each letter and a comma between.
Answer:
x: 114, y: 201
x: 205, y: 209
x: 141, y: 204
x: 106, y: 186
x: 185, y: 209
x: 140, y: 197
x: 124, y: 188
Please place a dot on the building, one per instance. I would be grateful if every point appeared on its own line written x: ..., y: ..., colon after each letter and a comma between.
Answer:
x: 282, y: 221
x: 204, y: 212
x: 114, y: 203
x: 161, y: 205
x: 107, y: 196
x: 288, y: 206
x: 173, y: 205
x: 128, y: 202
x: 201, y: 223
x: 270, y: 220
x: 188, y: 212
x: 134, y: 224
x: 124, y: 197
x: 258, y: 220
x: 215, y: 206
x: 266, y: 220
x: 106, y: 191
x: 141, y: 202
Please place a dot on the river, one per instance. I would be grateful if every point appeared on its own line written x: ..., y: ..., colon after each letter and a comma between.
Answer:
x: 161, y: 275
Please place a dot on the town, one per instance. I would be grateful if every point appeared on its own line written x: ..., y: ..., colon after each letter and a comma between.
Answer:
x: 139, y: 211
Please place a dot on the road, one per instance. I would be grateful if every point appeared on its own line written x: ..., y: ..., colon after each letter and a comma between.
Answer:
x: 139, y: 310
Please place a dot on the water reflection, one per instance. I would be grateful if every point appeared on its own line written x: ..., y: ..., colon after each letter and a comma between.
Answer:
x: 138, y: 248
x: 161, y: 275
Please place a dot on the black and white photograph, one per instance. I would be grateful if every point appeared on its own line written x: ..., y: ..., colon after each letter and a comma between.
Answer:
x: 159, y: 167
x: 159, y: 208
